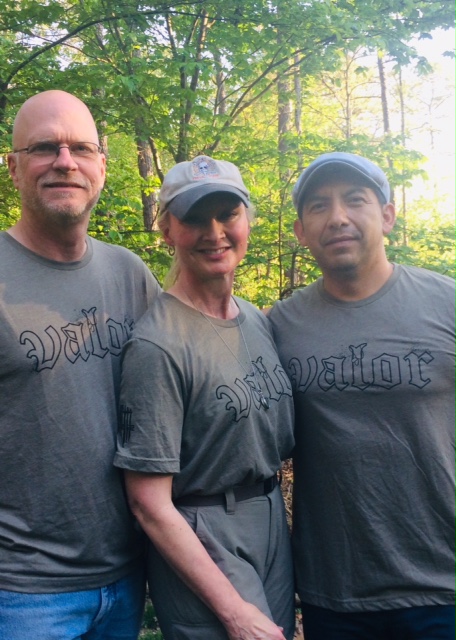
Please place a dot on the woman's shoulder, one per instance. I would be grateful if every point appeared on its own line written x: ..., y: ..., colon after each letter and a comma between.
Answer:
x: 249, y: 309
x: 254, y: 318
x: 162, y: 316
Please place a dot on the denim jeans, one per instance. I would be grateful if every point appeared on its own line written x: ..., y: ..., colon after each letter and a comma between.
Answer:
x: 113, y: 612
x: 436, y: 622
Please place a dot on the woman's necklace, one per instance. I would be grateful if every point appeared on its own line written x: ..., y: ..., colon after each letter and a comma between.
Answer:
x: 263, y: 400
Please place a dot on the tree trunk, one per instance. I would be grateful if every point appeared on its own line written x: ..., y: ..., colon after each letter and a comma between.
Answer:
x: 381, y: 75
x: 145, y: 166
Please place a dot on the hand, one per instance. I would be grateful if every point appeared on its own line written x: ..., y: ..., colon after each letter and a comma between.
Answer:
x: 251, y: 624
x: 150, y: 501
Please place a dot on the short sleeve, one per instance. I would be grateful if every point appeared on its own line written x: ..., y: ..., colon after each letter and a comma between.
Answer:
x: 151, y: 413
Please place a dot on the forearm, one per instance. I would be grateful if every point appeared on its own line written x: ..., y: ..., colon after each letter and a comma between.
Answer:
x: 181, y: 548
x: 184, y: 552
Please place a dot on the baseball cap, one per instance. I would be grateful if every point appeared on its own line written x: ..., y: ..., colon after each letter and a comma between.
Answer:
x: 342, y: 162
x: 188, y: 182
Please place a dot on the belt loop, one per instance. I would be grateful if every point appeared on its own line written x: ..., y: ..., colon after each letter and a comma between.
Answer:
x: 230, y: 501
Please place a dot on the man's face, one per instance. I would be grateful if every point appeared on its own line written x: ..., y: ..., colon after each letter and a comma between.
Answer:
x: 343, y: 225
x: 60, y: 190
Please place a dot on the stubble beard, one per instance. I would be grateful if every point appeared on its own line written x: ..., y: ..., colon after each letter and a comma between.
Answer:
x: 340, y: 270
x: 64, y: 212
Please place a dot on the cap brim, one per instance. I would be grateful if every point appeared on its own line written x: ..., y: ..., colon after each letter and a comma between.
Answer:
x: 182, y: 203
x: 343, y: 167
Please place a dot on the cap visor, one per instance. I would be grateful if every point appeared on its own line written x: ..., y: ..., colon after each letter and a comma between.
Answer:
x: 181, y: 204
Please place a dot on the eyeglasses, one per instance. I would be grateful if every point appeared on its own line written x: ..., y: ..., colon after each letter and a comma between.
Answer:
x: 51, y: 150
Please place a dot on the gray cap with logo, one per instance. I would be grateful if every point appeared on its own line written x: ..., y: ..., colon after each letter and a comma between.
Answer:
x: 343, y: 163
x: 187, y: 182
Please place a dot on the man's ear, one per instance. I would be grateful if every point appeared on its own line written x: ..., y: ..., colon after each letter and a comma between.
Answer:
x: 103, y: 168
x: 389, y: 218
x: 299, y: 232
x: 12, y: 168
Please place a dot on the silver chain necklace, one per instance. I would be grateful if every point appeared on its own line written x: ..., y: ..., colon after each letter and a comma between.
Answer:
x: 263, y: 400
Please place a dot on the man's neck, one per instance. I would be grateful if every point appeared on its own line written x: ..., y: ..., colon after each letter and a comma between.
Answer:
x: 351, y: 287
x: 61, y: 245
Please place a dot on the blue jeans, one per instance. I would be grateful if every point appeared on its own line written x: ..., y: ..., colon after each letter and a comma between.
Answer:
x: 113, y: 612
x: 435, y: 622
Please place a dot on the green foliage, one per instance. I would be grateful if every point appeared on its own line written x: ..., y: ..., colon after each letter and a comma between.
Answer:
x: 9, y: 201
x: 424, y: 240
x: 150, y: 629
x: 203, y: 77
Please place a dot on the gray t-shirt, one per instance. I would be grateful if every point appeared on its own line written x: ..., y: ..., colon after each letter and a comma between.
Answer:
x: 64, y: 522
x: 373, y: 383
x: 190, y: 409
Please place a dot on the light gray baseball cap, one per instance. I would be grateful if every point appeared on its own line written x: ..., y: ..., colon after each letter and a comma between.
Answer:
x: 343, y: 163
x: 188, y: 182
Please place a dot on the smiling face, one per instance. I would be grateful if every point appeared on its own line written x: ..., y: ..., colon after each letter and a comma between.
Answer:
x: 213, y: 239
x: 62, y: 190
x: 343, y: 224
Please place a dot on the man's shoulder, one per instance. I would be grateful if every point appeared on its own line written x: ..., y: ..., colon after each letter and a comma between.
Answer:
x: 294, y: 302
x: 422, y: 277
x: 114, y: 252
x: 101, y: 247
x: 7, y: 240
x: 124, y: 261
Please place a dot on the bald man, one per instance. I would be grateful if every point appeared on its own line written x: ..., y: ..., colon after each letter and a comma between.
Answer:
x: 70, y: 555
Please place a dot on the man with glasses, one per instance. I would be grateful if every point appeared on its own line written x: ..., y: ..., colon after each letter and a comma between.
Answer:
x: 70, y: 554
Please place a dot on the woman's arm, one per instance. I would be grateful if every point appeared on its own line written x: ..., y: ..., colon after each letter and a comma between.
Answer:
x: 150, y: 500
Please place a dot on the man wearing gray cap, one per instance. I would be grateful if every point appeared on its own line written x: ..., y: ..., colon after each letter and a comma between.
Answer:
x: 369, y: 349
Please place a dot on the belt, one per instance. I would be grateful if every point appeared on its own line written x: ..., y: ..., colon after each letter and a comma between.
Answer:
x: 240, y: 494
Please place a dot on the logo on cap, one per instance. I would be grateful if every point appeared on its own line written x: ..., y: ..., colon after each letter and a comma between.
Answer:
x: 204, y: 167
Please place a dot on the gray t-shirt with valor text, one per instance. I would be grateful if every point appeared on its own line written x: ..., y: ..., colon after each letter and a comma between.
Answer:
x: 373, y: 381
x: 190, y: 409
x: 64, y: 520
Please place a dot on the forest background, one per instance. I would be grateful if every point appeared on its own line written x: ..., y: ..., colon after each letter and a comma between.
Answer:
x: 267, y: 85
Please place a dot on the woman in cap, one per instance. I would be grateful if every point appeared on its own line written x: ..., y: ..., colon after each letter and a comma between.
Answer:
x: 206, y: 418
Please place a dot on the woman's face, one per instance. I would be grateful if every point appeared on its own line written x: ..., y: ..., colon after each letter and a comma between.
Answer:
x: 213, y: 239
